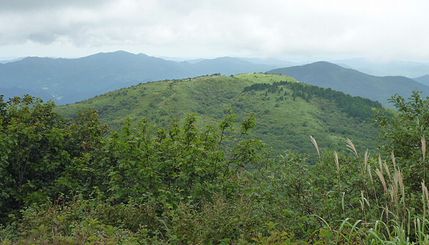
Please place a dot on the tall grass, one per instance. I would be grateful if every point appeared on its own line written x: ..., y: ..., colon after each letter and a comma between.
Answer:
x: 399, y: 220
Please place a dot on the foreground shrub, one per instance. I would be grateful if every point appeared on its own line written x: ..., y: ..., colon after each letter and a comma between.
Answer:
x: 215, y: 185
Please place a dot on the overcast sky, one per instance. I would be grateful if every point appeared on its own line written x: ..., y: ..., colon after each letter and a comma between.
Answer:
x: 286, y: 29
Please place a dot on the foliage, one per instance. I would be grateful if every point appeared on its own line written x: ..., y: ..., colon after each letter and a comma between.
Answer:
x: 190, y: 184
x: 38, y: 148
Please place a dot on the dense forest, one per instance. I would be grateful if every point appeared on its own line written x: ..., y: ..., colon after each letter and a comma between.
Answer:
x: 77, y: 181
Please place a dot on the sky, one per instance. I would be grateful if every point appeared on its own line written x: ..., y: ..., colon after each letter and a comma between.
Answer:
x: 284, y: 29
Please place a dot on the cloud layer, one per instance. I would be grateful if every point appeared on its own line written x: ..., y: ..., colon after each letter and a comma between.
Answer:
x: 382, y: 29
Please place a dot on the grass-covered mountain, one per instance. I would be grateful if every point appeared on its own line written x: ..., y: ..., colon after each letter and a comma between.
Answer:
x: 287, y: 112
x: 328, y: 75
x: 72, y: 80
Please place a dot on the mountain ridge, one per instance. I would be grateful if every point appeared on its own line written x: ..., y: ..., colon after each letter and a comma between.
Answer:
x: 69, y: 80
x: 353, y: 82
x: 423, y: 79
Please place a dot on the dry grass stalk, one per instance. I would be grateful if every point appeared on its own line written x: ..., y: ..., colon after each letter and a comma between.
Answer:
x: 395, y: 188
x: 382, y: 180
x: 363, y: 200
x: 415, y: 224
x: 400, y: 179
x: 370, y: 173
x: 365, y: 159
x: 314, y: 142
x: 386, y: 167
x: 386, y: 209
x: 351, y: 147
x: 425, y: 193
x: 380, y: 163
x: 394, y: 193
x: 337, y: 162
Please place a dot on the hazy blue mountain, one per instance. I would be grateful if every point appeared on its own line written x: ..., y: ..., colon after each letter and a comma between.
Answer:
x: 329, y: 75
x: 227, y: 65
x: 71, y: 80
x: 273, y: 62
x: 8, y: 59
x: 13, y: 91
x: 386, y: 68
x: 423, y: 79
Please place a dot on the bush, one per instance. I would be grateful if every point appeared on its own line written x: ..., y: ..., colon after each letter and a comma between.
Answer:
x: 75, y: 181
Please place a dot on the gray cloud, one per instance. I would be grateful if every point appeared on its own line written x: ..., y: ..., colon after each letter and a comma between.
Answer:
x: 383, y: 29
x: 32, y: 5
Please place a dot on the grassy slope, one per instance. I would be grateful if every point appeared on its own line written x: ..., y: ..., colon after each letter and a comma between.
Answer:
x: 283, y: 124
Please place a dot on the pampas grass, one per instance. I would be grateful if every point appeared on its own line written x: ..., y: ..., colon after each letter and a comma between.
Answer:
x: 337, y: 162
x: 351, y: 147
x: 314, y: 142
x: 382, y: 180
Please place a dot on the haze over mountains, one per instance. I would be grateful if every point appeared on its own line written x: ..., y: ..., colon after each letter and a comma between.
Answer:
x: 71, y: 80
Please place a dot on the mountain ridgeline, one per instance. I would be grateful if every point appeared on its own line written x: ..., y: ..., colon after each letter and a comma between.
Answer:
x: 287, y: 112
x: 328, y: 75
x: 72, y: 80
x: 423, y: 80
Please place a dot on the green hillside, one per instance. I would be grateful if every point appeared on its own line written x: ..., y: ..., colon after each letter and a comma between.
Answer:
x: 287, y: 112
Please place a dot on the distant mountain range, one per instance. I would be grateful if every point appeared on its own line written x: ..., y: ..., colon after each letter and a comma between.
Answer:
x: 329, y: 75
x: 423, y: 79
x: 72, y: 80
x: 386, y: 68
